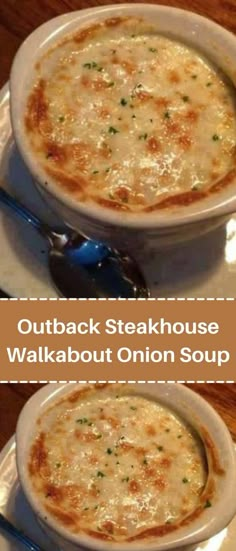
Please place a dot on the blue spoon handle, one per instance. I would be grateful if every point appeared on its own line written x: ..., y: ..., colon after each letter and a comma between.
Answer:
x: 89, y: 252
x: 21, y: 211
x: 17, y: 535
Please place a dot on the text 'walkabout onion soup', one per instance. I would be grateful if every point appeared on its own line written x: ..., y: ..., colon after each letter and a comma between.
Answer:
x: 130, y: 119
x: 117, y: 465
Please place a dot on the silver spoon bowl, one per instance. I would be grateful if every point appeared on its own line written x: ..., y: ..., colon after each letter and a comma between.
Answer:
x: 81, y: 268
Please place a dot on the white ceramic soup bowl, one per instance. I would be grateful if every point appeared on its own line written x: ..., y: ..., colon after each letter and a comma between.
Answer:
x: 192, y: 408
x: 137, y: 233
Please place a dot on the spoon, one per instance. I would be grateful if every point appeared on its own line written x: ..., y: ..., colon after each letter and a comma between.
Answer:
x: 18, y: 535
x: 81, y: 268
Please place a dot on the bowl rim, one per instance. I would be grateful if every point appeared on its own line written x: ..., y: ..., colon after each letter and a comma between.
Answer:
x: 207, y: 208
x: 211, y: 522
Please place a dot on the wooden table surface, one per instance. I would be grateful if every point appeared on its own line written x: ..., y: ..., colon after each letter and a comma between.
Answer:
x: 13, y: 396
x: 17, y: 20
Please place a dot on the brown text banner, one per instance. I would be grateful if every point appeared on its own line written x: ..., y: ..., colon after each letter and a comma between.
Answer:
x: 117, y: 340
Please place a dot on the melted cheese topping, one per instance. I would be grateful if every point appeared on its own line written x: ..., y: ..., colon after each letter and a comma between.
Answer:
x: 131, y: 119
x: 117, y: 465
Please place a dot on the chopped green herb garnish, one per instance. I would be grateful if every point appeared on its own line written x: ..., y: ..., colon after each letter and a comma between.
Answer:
x: 90, y: 424
x: 109, y: 451
x: 113, y: 51
x: 133, y: 116
x: 96, y: 506
x: 167, y: 115
x: 194, y: 76
x: 123, y: 101
x: 61, y: 118
x: 125, y: 479
x: 91, y: 65
x: 107, y: 170
x: 132, y: 35
x: 82, y: 421
x: 160, y: 448
x: 209, y: 84
x: 139, y: 85
x: 151, y: 120
x: 143, y: 136
x: 152, y: 50
x: 207, y: 504
x: 167, y: 430
x: 99, y: 436
x: 133, y: 408
x: 145, y: 462
x: 168, y: 521
x: 112, y: 130
x: 132, y: 466
x: 180, y: 435
x: 58, y: 465
x: 215, y: 137
x: 110, y: 84
x: 122, y: 437
x: 86, y: 508
x: 100, y: 474
x: 185, y: 480
x: 117, y: 463
x: 185, y: 98
x: 95, y: 172
x: 100, y: 69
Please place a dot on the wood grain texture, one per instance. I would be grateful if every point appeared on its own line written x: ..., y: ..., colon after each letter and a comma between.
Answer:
x: 13, y: 397
x: 20, y: 18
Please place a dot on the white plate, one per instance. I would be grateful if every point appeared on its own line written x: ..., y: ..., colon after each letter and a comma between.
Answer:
x: 204, y: 268
x: 14, y: 506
